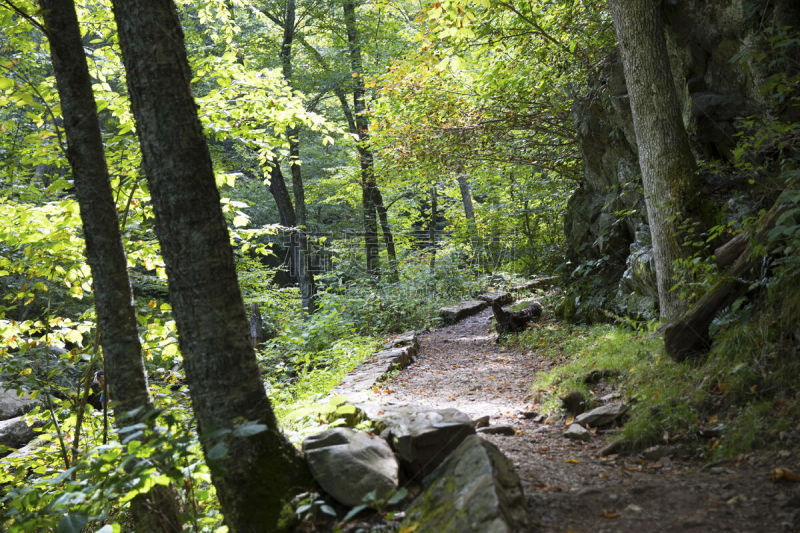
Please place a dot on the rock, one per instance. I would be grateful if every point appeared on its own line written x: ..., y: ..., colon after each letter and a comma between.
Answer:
x: 348, y: 464
x: 373, y: 370
x: 654, y: 453
x: 498, y: 430
x: 407, y: 339
x: 15, y: 432
x: 12, y: 405
x: 539, y: 283
x: 573, y: 402
x: 612, y: 448
x: 422, y: 437
x: 501, y: 297
x: 577, y: 432
x: 597, y: 375
x: 603, y: 415
x: 454, y: 313
x: 481, y: 422
x: 515, y: 321
x: 542, y: 429
x: 474, y: 490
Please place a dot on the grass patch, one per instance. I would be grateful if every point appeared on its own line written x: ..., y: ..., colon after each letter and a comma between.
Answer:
x: 741, y: 397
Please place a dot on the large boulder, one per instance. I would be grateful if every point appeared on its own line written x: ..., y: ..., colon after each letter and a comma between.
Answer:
x: 474, y: 490
x: 348, y: 464
x: 15, y: 432
x: 13, y: 405
x: 422, y: 437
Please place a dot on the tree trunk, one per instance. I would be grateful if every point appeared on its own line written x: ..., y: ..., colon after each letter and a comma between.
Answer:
x: 254, y: 474
x: 432, y: 228
x: 388, y: 239
x: 469, y: 214
x: 305, y: 279
x: 116, y: 315
x: 365, y: 157
x: 665, y: 159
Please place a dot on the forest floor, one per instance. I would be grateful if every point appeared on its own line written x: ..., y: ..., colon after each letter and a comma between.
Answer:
x: 568, y: 485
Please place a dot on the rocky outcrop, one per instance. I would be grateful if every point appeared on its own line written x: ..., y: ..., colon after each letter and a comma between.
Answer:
x: 349, y: 464
x: 422, y: 437
x: 474, y: 490
x: 606, y: 222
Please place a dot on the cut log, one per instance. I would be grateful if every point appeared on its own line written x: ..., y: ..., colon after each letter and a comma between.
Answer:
x: 688, y: 335
x: 512, y: 322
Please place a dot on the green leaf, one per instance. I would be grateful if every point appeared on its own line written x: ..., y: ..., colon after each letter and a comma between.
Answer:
x: 249, y: 429
x: 72, y: 523
x: 6, y: 83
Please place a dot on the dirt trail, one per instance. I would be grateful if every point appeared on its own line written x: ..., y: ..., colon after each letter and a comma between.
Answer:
x: 568, y: 486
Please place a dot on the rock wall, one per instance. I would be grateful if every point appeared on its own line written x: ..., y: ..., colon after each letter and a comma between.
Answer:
x: 717, y: 82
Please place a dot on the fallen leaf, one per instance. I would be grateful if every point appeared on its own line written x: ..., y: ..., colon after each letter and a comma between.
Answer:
x: 609, y: 514
x: 634, y: 508
x: 573, y: 461
x: 784, y: 474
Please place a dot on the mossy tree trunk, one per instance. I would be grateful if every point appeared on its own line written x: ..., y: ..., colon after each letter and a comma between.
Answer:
x: 666, y: 161
x: 254, y: 474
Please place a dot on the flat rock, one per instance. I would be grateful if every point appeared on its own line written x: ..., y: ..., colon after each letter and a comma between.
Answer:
x: 501, y: 297
x: 454, y: 313
x: 422, y: 437
x: 475, y: 490
x: 603, y: 415
x: 577, y: 432
x: 15, y: 432
x: 12, y: 405
x: 348, y: 464
x: 497, y: 430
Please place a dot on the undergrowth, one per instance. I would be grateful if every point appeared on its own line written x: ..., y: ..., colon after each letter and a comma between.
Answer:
x: 742, y: 396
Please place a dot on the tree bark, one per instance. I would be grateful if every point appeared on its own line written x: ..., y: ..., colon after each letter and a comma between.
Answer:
x: 365, y: 156
x: 432, y: 227
x: 305, y: 278
x: 254, y: 474
x: 665, y: 159
x: 469, y: 214
x: 116, y: 314
x: 388, y: 239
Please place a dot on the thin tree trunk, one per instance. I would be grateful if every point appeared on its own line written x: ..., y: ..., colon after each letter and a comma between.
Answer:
x: 665, y: 159
x: 305, y: 279
x: 364, y: 153
x: 388, y: 239
x: 254, y: 474
x: 116, y: 315
x: 286, y: 216
x: 469, y: 214
x: 432, y: 228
